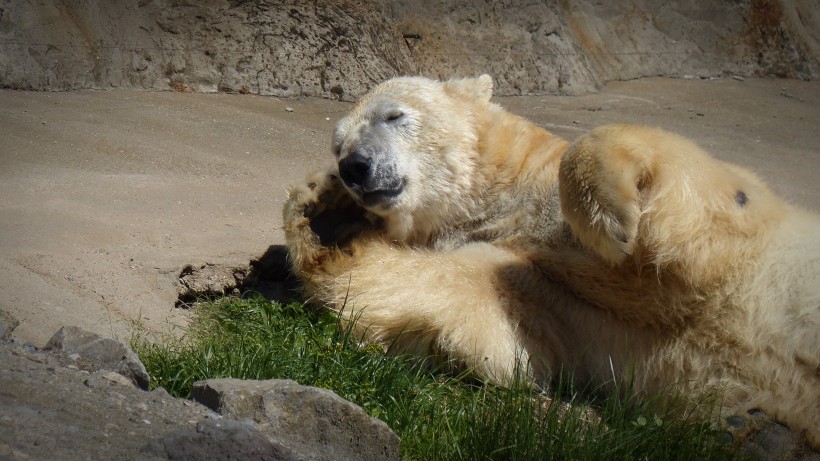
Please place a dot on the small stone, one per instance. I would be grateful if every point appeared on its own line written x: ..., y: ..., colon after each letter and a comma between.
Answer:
x: 105, y: 379
x: 94, y: 382
x: 289, y: 109
x: 160, y: 393
x: 116, y: 378
x: 39, y: 358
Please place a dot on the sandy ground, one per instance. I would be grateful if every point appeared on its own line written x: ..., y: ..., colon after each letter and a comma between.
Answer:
x: 106, y: 195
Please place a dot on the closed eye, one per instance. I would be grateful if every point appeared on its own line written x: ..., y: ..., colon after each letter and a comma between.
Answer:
x: 392, y: 116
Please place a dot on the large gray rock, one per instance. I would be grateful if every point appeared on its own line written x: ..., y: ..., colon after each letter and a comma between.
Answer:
x: 102, y: 352
x: 51, y: 412
x: 314, y: 422
x: 218, y: 440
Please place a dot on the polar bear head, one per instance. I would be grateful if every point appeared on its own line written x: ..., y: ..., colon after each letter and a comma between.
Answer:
x: 407, y: 150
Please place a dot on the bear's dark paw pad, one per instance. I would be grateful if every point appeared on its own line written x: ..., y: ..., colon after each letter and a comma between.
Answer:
x: 338, y: 226
x: 760, y: 437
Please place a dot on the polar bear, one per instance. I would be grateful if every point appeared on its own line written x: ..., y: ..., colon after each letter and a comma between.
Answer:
x: 453, y: 229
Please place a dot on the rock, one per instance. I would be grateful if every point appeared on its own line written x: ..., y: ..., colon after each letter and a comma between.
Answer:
x: 339, y: 50
x: 106, y: 378
x: 216, y: 440
x: 7, y: 325
x: 287, y: 48
x: 109, y: 354
x: 315, y: 423
x: 47, y: 412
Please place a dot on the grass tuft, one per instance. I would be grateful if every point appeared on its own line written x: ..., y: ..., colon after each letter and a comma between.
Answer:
x: 437, y: 415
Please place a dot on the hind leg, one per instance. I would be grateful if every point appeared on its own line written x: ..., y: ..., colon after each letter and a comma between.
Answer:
x: 643, y: 194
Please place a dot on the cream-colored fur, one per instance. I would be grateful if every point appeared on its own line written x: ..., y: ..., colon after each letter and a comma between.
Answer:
x: 631, y: 254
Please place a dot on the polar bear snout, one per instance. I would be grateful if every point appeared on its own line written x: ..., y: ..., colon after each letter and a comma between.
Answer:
x: 372, y: 178
x: 355, y: 170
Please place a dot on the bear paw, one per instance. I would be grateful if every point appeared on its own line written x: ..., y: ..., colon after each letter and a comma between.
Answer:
x: 600, y: 187
x: 761, y: 437
x: 320, y: 216
x: 305, y: 201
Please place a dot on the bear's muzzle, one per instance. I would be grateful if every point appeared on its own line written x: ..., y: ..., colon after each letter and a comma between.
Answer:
x: 372, y: 180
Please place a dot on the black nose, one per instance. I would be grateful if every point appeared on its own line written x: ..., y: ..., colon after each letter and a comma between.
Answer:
x: 354, y: 169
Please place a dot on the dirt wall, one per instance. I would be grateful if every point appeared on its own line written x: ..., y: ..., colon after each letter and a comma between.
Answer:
x: 339, y: 48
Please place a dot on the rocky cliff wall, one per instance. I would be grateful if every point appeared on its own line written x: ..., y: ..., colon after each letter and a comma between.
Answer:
x: 339, y: 48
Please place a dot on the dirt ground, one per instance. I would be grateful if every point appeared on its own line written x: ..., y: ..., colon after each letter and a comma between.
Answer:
x: 105, y: 196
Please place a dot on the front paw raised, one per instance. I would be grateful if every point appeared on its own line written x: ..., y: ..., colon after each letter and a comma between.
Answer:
x: 305, y: 201
x: 320, y: 216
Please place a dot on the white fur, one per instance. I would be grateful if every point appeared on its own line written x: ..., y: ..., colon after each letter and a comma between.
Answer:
x: 631, y: 252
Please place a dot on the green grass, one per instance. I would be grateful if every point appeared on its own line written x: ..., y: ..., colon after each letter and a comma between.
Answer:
x: 437, y: 415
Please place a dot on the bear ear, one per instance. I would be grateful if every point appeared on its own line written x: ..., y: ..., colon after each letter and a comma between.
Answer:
x: 480, y: 88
